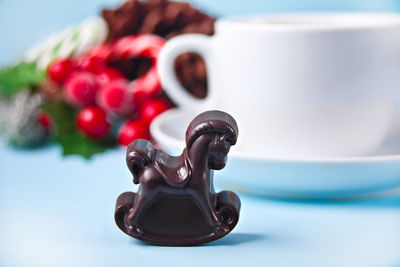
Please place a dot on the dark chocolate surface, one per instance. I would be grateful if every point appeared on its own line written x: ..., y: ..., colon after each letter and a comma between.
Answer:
x: 176, y: 203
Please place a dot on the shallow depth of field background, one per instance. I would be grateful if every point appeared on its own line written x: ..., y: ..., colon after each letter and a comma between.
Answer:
x: 64, y: 211
x: 22, y: 22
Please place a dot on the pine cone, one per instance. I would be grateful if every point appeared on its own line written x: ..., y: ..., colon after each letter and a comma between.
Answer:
x: 166, y: 19
x: 19, y: 125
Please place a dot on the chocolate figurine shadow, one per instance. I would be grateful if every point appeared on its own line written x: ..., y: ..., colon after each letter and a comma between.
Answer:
x: 176, y: 203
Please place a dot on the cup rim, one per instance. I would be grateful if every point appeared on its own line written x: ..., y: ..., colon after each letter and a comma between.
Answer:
x: 309, y: 21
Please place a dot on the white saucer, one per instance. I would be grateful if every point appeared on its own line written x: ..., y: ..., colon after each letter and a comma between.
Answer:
x: 315, y: 178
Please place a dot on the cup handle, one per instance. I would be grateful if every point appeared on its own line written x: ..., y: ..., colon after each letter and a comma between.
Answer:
x: 197, y: 43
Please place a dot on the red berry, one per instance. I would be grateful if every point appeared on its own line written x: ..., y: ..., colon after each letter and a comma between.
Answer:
x: 59, y: 70
x: 80, y: 89
x: 109, y: 74
x: 115, y: 97
x: 92, y: 64
x: 132, y: 130
x: 153, y: 108
x: 45, y: 120
x: 140, y: 97
x: 92, y: 122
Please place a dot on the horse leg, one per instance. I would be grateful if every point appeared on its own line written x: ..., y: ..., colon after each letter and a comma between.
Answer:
x: 132, y: 220
x: 206, y: 205
x: 142, y: 201
x: 224, y: 212
x: 124, y: 204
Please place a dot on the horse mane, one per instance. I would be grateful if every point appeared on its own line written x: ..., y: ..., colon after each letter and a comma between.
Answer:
x: 213, y: 121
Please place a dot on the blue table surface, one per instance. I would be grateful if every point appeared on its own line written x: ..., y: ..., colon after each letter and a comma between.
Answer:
x: 59, y: 212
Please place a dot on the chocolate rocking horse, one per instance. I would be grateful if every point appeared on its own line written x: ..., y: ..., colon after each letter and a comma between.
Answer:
x: 176, y: 203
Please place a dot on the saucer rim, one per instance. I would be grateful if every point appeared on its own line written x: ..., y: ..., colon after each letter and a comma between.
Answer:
x: 158, y: 134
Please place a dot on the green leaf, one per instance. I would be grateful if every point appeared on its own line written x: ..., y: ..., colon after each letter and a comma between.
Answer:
x: 66, y: 134
x: 16, y: 78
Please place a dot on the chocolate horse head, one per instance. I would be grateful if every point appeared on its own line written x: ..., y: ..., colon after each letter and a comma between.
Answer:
x: 176, y: 203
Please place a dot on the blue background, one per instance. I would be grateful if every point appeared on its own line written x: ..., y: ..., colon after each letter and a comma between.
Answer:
x: 59, y: 212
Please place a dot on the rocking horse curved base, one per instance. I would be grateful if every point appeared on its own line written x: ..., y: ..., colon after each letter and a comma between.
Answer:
x: 176, y: 221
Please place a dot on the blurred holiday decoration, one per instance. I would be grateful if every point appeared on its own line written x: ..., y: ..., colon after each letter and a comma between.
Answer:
x: 95, y: 85
x: 72, y: 41
x: 165, y: 19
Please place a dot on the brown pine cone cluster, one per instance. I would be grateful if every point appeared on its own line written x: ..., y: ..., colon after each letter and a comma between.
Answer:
x: 166, y: 19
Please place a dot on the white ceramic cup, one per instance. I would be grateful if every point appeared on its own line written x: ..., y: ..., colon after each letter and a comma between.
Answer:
x: 318, y: 84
